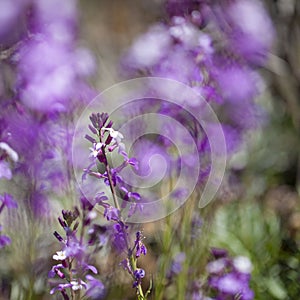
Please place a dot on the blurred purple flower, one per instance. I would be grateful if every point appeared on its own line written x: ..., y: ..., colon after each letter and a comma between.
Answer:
x: 229, y: 277
x: 252, y: 32
x: 176, y: 265
x: 4, y: 241
x: 12, y: 20
x: 95, y: 288
x: 8, y: 201
x: 120, y: 237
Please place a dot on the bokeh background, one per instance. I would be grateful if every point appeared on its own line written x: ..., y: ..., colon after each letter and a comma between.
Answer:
x: 257, y: 212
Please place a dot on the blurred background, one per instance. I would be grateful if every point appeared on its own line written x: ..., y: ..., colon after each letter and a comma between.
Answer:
x: 257, y: 212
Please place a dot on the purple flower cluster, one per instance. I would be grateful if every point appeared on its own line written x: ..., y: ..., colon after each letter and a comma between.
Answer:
x: 129, y: 264
x: 215, y: 48
x: 50, y: 68
x: 229, y: 277
x: 73, y: 267
x: 42, y: 87
x: 106, y: 141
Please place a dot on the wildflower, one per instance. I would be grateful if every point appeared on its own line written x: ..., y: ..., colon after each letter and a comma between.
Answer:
x: 56, y: 271
x: 8, y: 201
x: 138, y: 275
x: 77, y: 286
x: 176, y: 266
x: 60, y: 255
x: 139, y: 245
x: 229, y: 277
x: 242, y: 264
x: 116, y: 135
x: 95, y: 288
x: 4, y: 241
x: 111, y: 213
x: 96, y: 150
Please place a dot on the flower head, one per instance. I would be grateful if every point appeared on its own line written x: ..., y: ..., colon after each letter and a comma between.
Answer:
x: 60, y: 255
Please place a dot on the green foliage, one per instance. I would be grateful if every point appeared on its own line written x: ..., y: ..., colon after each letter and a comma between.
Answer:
x: 246, y: 228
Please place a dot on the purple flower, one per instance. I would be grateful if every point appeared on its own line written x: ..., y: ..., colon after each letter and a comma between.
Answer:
x: 238, y: 83
x: 218, y: 252
x: 176, y: 265
x: 231, y: 284
x: 60, y: 287
x: 183, y: 7
x: 4, y: 241
x: 139, y: 274
x: 111, y: 213
x: 126, y: 265
x: 8, y: 201
x: 98, y: 235
x: 149, y: 49
x: 42, y: 61
x: 5, y: 171
x: 95, y: 288
x: 252, y: 32
x: 56, y: 271
x: 128, y: 195
x: 229, y: 278
x: 12, y: 20
x: 120, y: 236
x: 139, y: 245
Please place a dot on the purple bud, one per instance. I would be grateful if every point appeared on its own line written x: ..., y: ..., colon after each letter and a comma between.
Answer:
x: 90, y: 139
x: 219, y: 253
x: 139, y: 273
x: 93, y: 130
x: 62, y: 222
x: 58, y: 236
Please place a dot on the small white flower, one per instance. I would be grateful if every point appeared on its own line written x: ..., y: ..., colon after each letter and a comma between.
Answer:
x: 76, y: 285
x: 116, y: 135
x: 242, y: 264
x: 11, y: 153
x: 92, y: 215
x: 95, y: 150
x: 216, y: 266
x: 60, y: 255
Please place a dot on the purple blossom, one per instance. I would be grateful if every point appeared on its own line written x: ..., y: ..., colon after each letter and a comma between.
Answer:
x: 12, y: 20
x: 8, y: 201
x: 111, y: 213
x: 75, y: 255
x: 4, y: 241
x: 56, y: 271
x: 120, y: 237
x: 139, y: 245
x: 228, y: 277
x: 252, y: 32
x: 98, y: 235
x: 139, y: 274
x: 95, y: 288
x: 5, y: 171
x: 176, y: 265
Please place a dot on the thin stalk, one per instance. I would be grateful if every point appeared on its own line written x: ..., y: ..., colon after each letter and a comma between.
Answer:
x: 131, y: 258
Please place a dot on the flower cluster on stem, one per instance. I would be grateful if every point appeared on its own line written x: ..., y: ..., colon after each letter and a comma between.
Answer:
x: 107, y: 140
x: 229, y: 278
x: 73, y: 267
